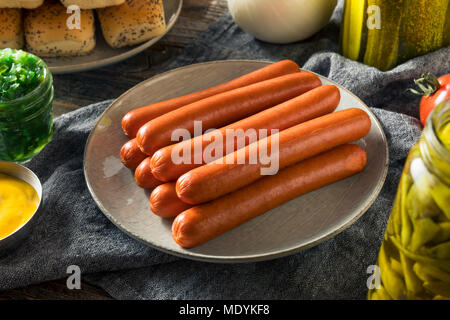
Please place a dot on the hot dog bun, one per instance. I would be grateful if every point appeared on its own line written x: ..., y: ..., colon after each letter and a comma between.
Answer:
x: 27, y: 4
x: 92, y: 4
x: 12, y: 30
x: 47, y: 33
x: 133, y: 22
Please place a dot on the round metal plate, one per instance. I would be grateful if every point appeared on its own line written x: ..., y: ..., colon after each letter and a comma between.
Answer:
x: 298, y: 224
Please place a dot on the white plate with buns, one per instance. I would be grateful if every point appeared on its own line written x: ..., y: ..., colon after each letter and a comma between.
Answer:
x: 109, y: 31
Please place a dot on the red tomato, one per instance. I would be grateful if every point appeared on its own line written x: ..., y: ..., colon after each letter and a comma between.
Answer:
x: 428, y: 103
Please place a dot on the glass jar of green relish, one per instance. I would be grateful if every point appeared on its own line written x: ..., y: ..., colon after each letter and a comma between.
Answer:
x: 385, y: 33
x: 26, y: 96
x: 414, y: 258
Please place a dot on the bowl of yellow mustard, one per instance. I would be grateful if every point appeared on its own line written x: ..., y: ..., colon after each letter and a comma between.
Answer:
x: 20, y: 199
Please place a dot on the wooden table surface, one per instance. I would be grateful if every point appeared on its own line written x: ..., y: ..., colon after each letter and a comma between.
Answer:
x: 77, y: 90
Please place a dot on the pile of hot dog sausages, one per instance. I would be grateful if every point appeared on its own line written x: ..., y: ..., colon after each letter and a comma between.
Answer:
x: 208, y: 199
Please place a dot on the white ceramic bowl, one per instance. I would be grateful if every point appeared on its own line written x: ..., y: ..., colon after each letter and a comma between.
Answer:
x: 281, y: 21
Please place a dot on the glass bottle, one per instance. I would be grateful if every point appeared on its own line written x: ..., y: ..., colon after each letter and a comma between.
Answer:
x: 414, y: 258
x: 26, y: 123
x: 385, y: 33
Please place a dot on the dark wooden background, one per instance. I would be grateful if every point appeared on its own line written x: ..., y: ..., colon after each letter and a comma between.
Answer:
x: 81, y: 89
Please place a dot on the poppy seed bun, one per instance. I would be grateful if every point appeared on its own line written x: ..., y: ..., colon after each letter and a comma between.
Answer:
x: 47, y: 34
x: 92, y: 4
x: 11, y: 27
x: 27, y: 4
x: 133, y: 22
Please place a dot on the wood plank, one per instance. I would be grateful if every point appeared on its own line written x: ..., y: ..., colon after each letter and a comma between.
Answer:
x: 195, y: 18
x: 55, y: 290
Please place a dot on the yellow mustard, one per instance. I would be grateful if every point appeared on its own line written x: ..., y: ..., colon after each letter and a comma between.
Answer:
x: 18, y: 202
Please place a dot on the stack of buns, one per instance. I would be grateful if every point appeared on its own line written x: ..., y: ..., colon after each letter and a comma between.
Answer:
x: 50, y: 28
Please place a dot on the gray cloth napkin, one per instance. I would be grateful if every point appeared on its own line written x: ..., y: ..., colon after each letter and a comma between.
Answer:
x: 71, y: 230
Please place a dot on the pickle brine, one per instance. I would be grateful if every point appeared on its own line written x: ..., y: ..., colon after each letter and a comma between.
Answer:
x: 414, y: 258
x: 384, y: 33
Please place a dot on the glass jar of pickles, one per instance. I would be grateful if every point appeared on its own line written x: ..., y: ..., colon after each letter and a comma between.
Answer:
x: 385, y: 33
x: 26, y: 95
x: 414, y: 258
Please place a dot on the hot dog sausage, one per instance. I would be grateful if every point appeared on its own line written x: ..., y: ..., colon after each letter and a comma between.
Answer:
x: 131, y: 155
x: 164, y: 201
x: 144, y: 177
x: 302, y: 141
x: 135, y: 119
x: 224, y: 108
x: 310, y: 105
x: 207, y: 221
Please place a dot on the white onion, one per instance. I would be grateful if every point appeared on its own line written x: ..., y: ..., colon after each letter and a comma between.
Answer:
x: 281, y: 21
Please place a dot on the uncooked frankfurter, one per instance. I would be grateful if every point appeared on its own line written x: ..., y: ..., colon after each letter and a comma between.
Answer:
x: 135, y: 119
x: 165, y: 203
x: 205, y: 222
x: 312, y: 104
x: 131, y: 155
x: 224, y: 108
x: 144, y: 177
x: 297, y: 143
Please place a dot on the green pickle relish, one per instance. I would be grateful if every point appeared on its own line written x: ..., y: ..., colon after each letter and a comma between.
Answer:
x: 26, y: 95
